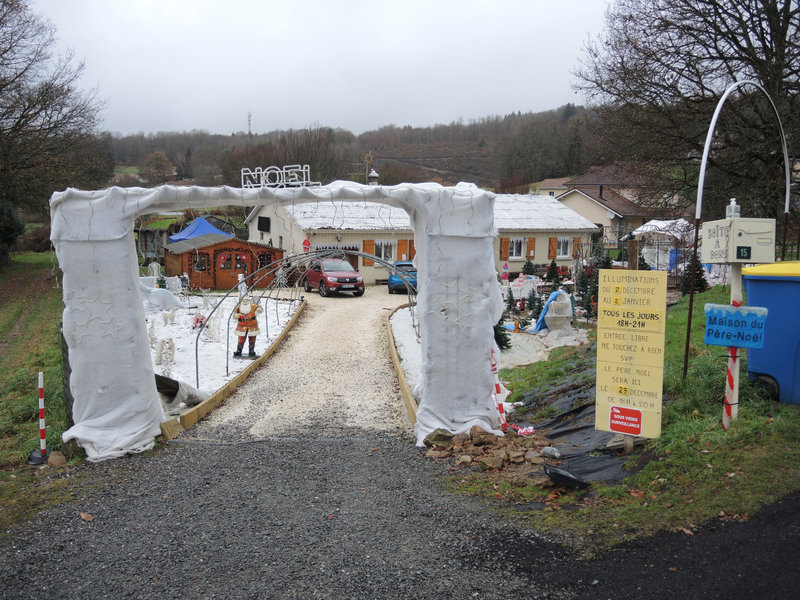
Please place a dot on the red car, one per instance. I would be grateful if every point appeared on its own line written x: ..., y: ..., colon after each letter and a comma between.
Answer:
x: 333, y: 275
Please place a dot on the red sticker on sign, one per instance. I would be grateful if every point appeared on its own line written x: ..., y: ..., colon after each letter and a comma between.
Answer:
x: 625, y: 420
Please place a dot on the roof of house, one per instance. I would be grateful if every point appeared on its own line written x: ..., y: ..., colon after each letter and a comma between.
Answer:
x: 511, y: 212
x: 525, y: 212
x: 202, y: 241
x: 361, y: 216
x: 613, y: 201
x: 553, y: 183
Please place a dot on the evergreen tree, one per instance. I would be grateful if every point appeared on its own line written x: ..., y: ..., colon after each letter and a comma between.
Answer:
x: 511, y: 306
x: 534, y: 304
x: 700, y: 283
x: 552, y: 275
x: 11, y: 227
x: 582, y: 285
x: 501, y: 336
x: 605, y: 263
x: 643, y: 266
x: 528, y: 268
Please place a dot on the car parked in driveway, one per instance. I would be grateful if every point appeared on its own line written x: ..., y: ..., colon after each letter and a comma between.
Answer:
x: 333, y: 275
x: 397, y: 284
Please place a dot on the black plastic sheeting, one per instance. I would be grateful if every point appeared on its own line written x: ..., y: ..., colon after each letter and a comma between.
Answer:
x: 582, y: 447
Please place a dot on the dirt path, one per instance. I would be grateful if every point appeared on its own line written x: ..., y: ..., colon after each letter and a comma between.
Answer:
x: 332, y: 373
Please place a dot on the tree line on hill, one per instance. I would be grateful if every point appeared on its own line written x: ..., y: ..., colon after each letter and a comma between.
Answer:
x: 653, y: 78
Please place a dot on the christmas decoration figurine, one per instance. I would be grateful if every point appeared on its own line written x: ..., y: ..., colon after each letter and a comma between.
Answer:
x: 247, y: 325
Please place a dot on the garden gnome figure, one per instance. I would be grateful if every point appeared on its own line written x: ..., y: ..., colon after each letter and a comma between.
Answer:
x: 247, y: 325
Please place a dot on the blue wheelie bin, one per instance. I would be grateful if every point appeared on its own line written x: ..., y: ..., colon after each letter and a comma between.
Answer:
x: 776, y: 286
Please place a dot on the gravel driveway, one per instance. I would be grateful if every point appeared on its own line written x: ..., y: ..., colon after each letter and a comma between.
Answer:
x: 306, y: 484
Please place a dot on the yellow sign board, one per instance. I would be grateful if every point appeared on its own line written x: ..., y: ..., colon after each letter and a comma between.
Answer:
x: 631, y: 318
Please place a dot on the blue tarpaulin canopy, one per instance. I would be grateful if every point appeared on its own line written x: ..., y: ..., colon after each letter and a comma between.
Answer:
x: 197, y: 227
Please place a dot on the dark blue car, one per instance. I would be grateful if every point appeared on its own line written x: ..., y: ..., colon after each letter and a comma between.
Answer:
x: 409, y: 273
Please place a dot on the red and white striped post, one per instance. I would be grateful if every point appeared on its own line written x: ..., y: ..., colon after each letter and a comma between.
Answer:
x: 38, y: 457
x: 498, y: 395
x: 731, y: 409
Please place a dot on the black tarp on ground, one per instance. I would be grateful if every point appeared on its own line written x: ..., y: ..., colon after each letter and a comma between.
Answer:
x: 583, y: 449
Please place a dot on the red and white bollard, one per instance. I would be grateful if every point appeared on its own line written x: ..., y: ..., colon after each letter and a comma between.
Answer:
x: 498, y: 395
x: 39, y: 457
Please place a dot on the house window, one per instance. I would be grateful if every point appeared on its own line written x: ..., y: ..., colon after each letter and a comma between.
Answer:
x: 383, y: 250
x: 563, y: 248
x: 225, y: 261
x: 551, y: 193
x: 515, y: 248
x: 200, y: 262
x: 241, y: 261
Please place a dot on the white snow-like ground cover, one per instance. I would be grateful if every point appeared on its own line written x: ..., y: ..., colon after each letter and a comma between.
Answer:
x: 526, y: 347
x: 209, y: 354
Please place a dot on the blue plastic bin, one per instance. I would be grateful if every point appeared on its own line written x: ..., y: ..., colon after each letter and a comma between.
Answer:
x: 776, y: 286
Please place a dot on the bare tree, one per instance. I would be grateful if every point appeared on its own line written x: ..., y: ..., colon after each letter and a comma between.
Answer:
x: 157, y: 168
x: 658, y: 70
x: 45, y: 121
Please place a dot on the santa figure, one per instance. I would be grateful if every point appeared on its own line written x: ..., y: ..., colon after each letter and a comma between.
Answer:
x: 247, y: 325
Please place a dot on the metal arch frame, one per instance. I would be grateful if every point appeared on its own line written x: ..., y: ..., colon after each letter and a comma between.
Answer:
x: 701, y: 181
x: 292, y: 262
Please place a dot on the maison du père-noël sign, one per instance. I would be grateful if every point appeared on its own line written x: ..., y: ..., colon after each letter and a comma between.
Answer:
x: 739, y: 327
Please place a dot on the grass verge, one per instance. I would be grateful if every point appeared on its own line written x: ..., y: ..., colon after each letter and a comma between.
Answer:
x: 694, y: 473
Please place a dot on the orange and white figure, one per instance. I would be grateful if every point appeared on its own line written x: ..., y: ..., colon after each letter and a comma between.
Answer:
x: 247, y: 325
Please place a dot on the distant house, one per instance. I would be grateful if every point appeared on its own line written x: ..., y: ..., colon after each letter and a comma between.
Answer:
x: 551, y: 187
x: 614, y: 199
x: 535, y: 227
x: 540, y: 229
x: 369, y: 227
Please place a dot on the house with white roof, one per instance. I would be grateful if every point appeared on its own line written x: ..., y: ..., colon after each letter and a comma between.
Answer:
x: 538, y: 228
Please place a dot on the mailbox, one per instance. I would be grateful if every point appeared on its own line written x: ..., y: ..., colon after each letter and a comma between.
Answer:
x: 739, y: 240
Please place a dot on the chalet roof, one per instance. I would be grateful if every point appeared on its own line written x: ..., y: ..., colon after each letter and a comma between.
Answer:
x: 523, y: 212
x: 202, y: 241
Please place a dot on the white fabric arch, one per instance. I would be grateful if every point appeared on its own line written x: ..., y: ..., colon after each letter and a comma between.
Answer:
x: 116, y: 406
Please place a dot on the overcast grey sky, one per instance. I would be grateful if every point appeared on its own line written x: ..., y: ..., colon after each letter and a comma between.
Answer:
x: 178, y: 65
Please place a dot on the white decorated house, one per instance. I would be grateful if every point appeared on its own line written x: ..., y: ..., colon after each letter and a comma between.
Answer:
x: 538, y: 228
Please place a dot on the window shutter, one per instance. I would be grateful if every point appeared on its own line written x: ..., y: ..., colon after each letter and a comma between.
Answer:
x: 531, y: 248
x: 402, y: 250
x: 576, y: 247
x: 412, y: 249
x: 552, y: 247
x: 369, y: 248
x: 504, y: 243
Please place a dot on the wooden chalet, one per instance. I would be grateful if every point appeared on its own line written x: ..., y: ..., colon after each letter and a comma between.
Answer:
x: 214, y: 261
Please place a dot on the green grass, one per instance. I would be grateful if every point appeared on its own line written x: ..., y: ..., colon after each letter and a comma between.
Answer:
x: 126, y: 170
x: 29, y: 322
x: 161, y: 223
x: 695, y: 472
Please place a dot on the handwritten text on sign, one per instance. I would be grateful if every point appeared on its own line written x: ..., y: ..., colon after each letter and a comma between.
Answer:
x: 737, y: 326
x: 630, y: 351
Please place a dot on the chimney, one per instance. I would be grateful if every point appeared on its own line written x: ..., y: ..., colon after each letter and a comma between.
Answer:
x: 601, y: 190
